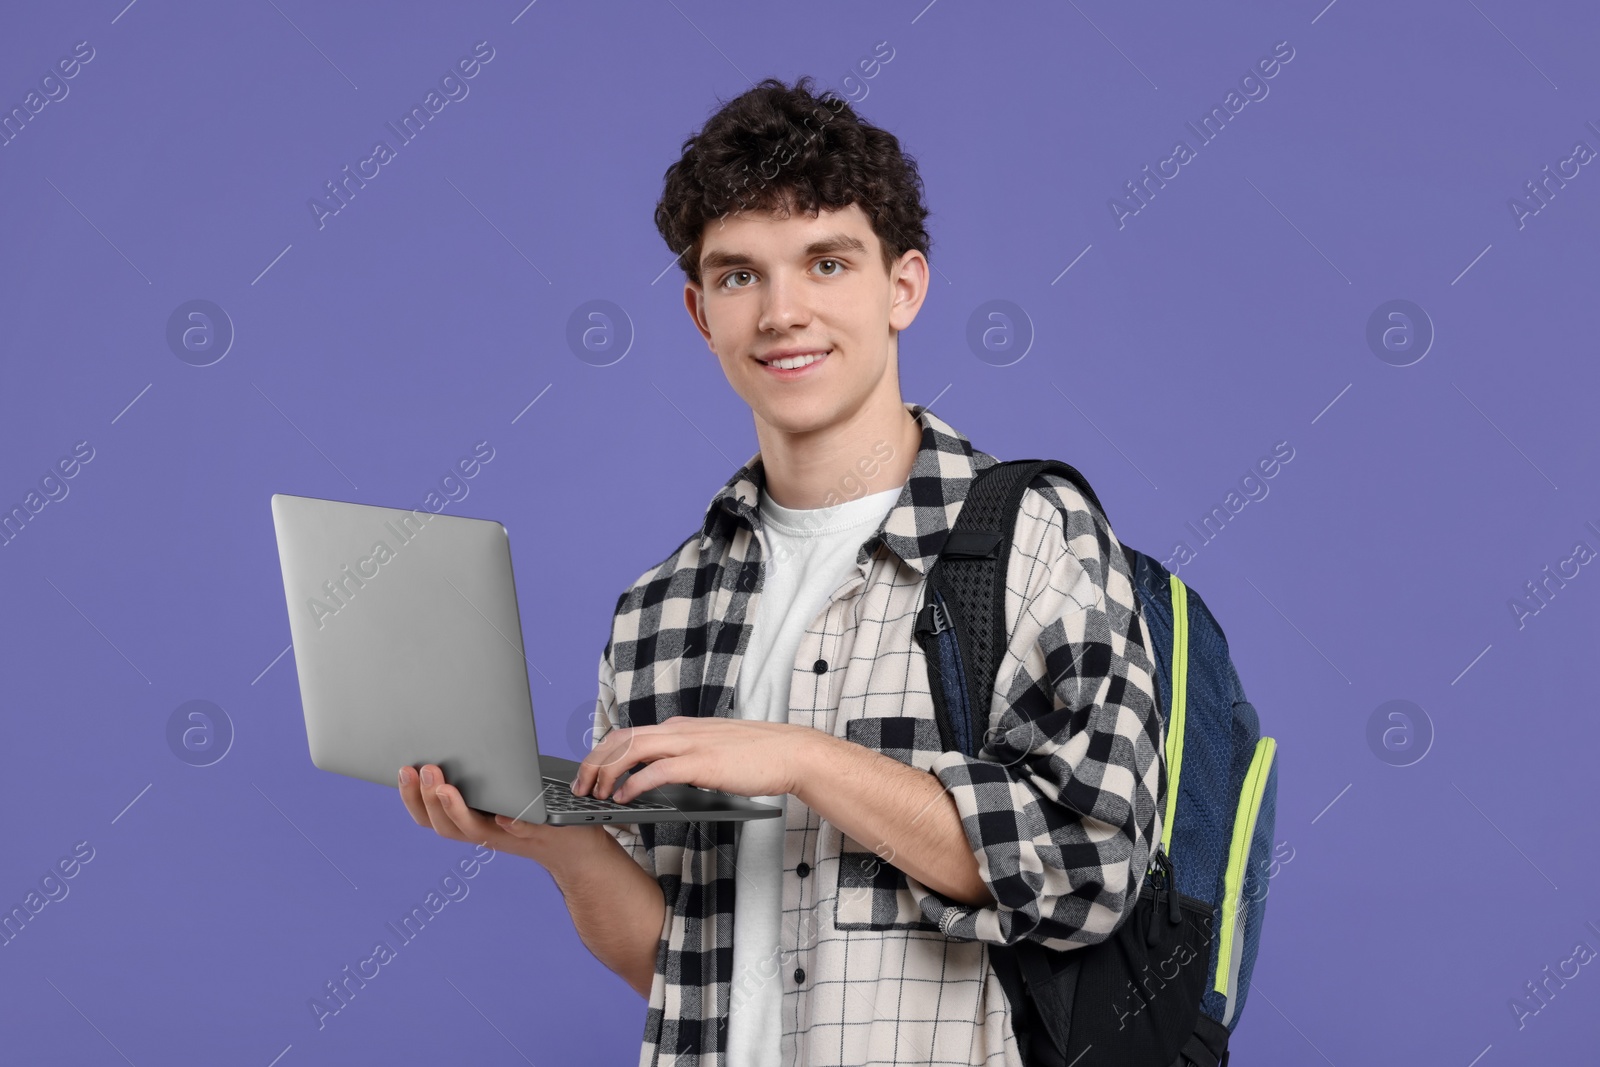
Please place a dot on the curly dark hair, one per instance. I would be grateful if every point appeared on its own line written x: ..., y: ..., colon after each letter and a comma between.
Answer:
x: 775, y: 149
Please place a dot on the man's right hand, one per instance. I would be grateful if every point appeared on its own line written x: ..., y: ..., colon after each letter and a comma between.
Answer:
x: 618, y: 910
x: 433, y: 802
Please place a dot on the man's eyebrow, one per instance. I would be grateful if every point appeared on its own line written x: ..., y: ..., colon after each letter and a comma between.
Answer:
x: 832, y: 243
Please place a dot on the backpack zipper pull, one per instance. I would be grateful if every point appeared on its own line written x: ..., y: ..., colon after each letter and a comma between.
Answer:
x: 1174, y: 915
x: 1156, y: 874
x: 1167, y: 883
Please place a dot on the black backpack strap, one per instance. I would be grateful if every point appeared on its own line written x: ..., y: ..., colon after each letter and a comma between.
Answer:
x: 1207, y: 1046
x: 966, y: 591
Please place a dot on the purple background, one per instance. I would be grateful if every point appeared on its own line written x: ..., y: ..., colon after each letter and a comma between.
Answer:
x: 370, y: 354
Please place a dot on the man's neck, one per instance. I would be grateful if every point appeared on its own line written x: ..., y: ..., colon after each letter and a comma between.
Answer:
x: 872, y: 452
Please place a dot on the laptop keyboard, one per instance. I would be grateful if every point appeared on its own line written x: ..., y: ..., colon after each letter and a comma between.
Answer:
x: 558, y: 796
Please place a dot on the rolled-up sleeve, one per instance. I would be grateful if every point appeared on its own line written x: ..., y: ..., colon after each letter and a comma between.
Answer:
x: 1060, y: 808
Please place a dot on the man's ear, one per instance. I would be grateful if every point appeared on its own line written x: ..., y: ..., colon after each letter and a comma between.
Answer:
x: 694, y: 301
x: 908, y: 288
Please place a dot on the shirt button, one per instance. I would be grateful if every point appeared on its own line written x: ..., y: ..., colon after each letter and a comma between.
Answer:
x: 799, y: 974
x: 821, y: 666
x: 804, y: 869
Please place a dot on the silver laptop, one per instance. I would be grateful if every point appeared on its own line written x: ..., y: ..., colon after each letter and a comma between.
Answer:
x: 409, y: 648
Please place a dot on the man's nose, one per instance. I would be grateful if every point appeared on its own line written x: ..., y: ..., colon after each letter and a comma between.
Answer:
x: 783, y: 307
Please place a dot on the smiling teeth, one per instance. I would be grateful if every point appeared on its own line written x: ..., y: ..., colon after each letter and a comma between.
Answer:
x: 795, y: 361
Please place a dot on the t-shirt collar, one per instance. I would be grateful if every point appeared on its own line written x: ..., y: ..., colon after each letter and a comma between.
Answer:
x: 914, y: 529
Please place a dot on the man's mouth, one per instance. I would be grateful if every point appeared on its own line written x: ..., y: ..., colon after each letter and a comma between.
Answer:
x: 794, y: 362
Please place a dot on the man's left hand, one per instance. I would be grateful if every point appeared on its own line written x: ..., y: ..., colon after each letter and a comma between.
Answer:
x: 744, y: 757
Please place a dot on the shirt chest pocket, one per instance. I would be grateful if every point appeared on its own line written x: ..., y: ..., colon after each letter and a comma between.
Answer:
x: 872, y: 892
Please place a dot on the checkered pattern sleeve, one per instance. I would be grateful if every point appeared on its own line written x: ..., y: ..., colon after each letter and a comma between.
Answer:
x: 1060, y: 806
x: 606, y: 719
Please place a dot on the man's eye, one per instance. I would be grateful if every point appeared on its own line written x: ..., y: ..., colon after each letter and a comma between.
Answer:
x: 835, y: 262
x: 732, y: 275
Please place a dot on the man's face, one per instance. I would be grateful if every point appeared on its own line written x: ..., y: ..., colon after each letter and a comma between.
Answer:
x: 771, y: 285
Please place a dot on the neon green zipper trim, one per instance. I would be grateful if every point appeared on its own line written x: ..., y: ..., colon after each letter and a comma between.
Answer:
x: 1180, y: 693
x: 1244, y: 828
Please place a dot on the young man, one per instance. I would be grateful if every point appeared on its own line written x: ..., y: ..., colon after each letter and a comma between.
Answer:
x: 772, y: 655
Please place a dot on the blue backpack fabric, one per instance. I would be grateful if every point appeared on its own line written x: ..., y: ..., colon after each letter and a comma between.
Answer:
x: 1178, y: 968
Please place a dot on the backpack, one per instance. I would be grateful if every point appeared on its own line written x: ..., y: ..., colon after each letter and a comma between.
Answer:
x: 1169, y: 985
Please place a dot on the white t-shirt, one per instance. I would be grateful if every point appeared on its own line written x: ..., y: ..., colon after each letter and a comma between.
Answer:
x: 811, y: 553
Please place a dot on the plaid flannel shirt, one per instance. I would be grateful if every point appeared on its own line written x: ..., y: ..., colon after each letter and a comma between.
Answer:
x: 1060, y: 808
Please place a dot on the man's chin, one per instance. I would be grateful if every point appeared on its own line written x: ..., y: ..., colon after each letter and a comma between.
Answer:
x: 797, y: 414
